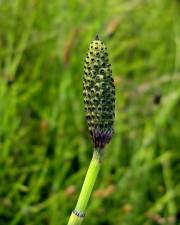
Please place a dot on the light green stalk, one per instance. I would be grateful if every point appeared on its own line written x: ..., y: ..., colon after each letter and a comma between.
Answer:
x: 77, y: 215
x: 99, y: 104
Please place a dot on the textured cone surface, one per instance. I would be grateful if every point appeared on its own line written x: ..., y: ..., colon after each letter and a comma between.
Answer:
x: 99, y: 94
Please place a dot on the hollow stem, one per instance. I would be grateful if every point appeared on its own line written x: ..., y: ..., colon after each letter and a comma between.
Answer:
x: 78, y: 214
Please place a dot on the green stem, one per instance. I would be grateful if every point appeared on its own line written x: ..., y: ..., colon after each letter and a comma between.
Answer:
x: 77, y: 215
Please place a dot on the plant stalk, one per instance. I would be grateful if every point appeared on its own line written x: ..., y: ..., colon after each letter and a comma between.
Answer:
x: 78, y: 214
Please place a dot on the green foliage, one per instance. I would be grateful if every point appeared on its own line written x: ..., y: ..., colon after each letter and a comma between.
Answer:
x: 45, y: 147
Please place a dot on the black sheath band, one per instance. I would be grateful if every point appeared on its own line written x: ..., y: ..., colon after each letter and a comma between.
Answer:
x: 78, y: 213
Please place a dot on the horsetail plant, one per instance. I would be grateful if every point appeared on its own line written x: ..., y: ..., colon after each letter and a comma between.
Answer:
x: 99, y: 104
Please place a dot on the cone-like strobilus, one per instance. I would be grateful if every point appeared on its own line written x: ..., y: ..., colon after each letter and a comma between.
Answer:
x: 99, y: 94
x: 99, y: 101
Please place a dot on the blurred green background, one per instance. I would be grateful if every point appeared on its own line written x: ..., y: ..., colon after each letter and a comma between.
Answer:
x: 45, y: 147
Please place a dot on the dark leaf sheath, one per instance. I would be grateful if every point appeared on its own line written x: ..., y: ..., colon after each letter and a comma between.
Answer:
x: 99, y: 94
